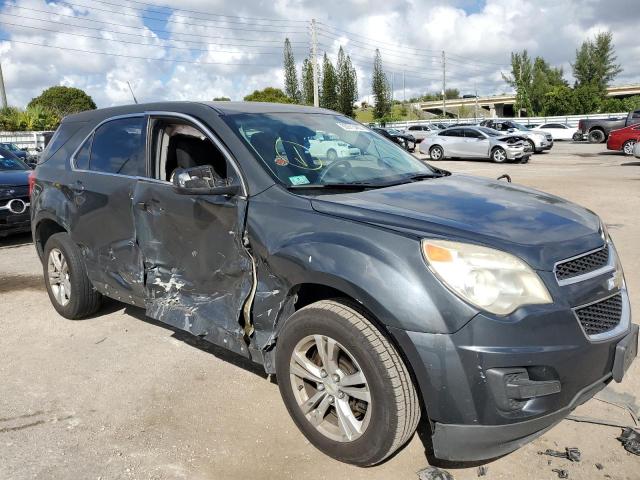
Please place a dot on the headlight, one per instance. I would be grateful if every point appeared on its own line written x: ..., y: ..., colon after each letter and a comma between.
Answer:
x: 492, y: 280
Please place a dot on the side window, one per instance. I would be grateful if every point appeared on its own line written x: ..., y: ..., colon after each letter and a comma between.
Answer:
x: 81, y: 161
x: 469, y: 133
x: 636, y: 114
x: 118, y: 147
x: 178, y: 144
x: 548, y: 125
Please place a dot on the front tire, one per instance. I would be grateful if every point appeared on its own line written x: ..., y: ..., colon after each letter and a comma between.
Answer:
x: 65, y: 277
x: 332, y: 155
x: 498, y: 155
x: 627, y: 147
x: 532, y: 146
x: 344, y: 384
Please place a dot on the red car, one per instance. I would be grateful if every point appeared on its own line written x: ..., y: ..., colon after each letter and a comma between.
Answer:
x: 624, y: 139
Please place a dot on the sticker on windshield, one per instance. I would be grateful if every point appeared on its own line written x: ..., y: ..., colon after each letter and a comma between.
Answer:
x: 352, y: 127
x: 299, y: 180
x: 282, y: 161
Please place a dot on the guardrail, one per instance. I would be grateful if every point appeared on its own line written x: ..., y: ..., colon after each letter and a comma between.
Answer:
x: 571, y: 120
x: 28, y: 140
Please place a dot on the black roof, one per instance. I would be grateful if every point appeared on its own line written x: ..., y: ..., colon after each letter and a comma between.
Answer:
x: 223, y: 108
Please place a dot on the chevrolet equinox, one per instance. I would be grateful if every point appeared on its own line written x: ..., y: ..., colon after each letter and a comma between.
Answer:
x: 379, y: 289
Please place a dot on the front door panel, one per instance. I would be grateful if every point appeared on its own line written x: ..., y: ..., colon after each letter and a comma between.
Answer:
x: 198, y: 274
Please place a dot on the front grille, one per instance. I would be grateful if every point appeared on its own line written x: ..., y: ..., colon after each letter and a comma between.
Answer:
x: 549, y: 137
x: 601, y: 317
x: 584, y: 264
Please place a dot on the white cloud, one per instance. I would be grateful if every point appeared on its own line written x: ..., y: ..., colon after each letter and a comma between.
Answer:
x: 235, y: 55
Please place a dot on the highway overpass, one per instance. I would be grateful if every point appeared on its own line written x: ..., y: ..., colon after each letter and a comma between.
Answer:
x: 500, y: 105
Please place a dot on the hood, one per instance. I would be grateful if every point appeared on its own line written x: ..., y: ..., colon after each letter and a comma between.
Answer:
x: 14, y: 177
x: 538, y: 227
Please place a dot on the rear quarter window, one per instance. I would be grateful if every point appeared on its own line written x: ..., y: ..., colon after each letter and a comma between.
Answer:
x: 61, y: 136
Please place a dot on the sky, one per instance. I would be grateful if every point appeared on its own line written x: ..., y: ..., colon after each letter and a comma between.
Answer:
x: 210, y: 48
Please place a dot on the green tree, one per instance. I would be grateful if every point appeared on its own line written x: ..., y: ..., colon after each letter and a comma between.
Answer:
x: 221, y: 99
x: 560, y: 100
x: 329, y: 94
x: 291, y: 88
x: 269, y: 94
x: 521, y: 79
x: 451, y: 93
x: 347, y: 84
x: 63, y: 101
x: 595, y: 63
x: 588, y: 99
x: 544, y: 79
x: 380, y: 89
x: 307, y: 82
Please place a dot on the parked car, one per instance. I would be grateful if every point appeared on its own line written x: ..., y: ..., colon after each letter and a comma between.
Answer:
x: 558, y: 131
x: 405, y: 140
x: 419, y: 132
x: 14, y: 194
x: 597, y: 130
x: 624, y: 139
x: 330, y: 147
x: 538, y: 141
x: 475, y: 142
x: 22, y: 154
x: 377, y: 288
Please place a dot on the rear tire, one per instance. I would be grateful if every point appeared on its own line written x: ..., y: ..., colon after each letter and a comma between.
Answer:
x: 65, y: 277
x: 597, y: 136
x: 498, y: 155
x: 627, y: 147
x: 436, y: 152
x: 384, y: 422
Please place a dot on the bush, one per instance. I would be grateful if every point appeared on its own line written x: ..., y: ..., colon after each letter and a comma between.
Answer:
x: 35, y: 118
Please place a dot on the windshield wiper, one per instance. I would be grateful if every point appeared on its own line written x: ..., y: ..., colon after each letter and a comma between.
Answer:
x: 337, y: 186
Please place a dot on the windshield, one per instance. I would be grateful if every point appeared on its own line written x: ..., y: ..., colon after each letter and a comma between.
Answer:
x: 393, y: 131
x: 491, y: 132
x: 318, y: 149
x: 10, y: 146
x: 12, y: 164
x: 519, y: 126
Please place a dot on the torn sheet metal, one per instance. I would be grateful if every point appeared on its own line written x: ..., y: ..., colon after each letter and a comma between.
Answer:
x: 198, y: 272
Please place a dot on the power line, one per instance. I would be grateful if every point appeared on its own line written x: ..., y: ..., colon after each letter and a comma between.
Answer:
x: 226, y: 43
x: 200, y: 12
x: 95, y: 52
x: 136, y: 43
x: 163, y: 20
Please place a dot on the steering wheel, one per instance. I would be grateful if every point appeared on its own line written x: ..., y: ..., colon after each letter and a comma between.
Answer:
x: 345, y: 164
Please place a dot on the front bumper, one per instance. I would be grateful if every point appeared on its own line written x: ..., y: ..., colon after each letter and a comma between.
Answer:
x: 14, y: 218
x: 469, y: 417
x: 516, y: 153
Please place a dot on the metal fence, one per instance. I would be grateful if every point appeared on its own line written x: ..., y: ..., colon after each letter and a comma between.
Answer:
x: 571, y: 120
x: 28, y: 140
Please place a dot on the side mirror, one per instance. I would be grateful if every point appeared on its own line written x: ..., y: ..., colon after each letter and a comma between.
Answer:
x: 38, y: 149
x: 201, y: 181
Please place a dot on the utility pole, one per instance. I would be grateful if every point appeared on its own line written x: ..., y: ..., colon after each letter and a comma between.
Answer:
x: 475, y: 115
x: 404, y: 92
x: 393, y: 78
x: 135, y: 100
x: 3, y: 94
x: 314, y: 62
x: 444, y: 86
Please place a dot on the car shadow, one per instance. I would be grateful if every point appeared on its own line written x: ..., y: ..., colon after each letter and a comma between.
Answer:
x: 111, y: 306
x: 16, y: 240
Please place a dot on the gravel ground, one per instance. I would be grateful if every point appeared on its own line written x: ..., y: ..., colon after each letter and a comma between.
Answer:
x: 119, y: 396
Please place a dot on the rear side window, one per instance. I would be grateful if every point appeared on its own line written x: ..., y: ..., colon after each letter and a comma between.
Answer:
x: 118, y: 147
x: 469, y: 133
x: 82, y: 157
x: 59, y: 138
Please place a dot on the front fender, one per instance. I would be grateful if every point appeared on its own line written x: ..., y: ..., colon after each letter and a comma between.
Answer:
x: 382, y: 269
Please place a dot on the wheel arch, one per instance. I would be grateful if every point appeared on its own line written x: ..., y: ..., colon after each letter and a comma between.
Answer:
x: 44, y: 228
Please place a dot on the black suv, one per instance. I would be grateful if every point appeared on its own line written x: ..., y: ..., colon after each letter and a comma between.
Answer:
x: 378, y: 288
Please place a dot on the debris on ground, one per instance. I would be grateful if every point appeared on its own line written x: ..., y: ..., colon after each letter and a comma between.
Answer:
x: 630, y: 439
x: 570, y: 453
x: 482, y: 470
x: 434, y: 473
x: 561, y: 473
x: 599, y: 466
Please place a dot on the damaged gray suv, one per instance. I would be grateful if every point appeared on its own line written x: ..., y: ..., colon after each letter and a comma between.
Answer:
x: 379, y: 289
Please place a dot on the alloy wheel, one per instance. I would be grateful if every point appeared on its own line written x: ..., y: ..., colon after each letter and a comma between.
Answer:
x: 330, y: 388
x: 58, y: 273
x: 628, y: 147
x: 499, y: 155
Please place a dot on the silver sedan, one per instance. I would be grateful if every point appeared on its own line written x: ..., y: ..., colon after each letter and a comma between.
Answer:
x: 476, y: 142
